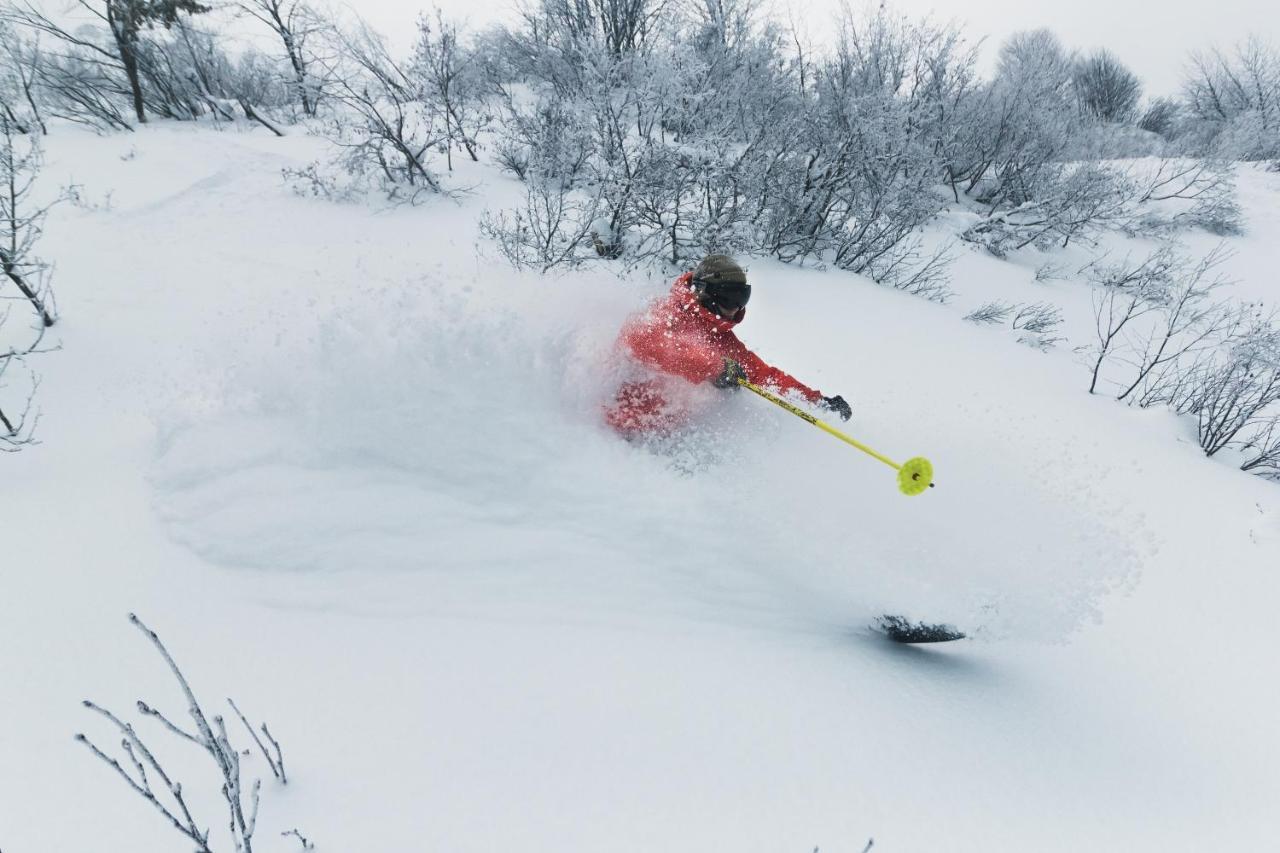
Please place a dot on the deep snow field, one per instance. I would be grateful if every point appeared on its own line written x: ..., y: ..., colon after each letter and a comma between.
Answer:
x: 352, y: 468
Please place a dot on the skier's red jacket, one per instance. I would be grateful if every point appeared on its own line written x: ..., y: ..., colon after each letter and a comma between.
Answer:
x: 678, y: 344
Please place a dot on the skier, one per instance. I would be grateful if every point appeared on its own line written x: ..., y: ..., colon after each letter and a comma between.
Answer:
x: 687, y: 340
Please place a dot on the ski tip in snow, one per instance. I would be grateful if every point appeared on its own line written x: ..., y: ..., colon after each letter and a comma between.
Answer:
x: 899, y: 630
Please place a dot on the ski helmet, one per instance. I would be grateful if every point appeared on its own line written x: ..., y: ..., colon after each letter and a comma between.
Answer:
x: 721, y: 284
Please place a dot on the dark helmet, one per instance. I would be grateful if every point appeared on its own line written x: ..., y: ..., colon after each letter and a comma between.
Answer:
x: 721, y: 285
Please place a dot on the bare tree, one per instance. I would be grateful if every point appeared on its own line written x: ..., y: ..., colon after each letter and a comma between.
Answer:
x: 124, y: 20
x: 19, y: 72
x: 206, y: 75
x: 444, y: 66
x: 622, y: 25
x: 294, y: 22
x: 147, y: 776
x: 387, y: 131
x: 1105, y: 89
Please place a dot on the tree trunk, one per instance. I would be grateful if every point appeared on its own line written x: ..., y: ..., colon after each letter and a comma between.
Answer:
x: 130, y: 60
x: 126, y: 36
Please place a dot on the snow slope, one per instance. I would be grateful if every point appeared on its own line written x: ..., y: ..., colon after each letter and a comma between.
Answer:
x: 354, y: 473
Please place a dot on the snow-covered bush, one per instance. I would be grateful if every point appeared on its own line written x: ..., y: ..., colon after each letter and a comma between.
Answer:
x: 1233, y: 99
x: 452, y: 83
x: 188, y: 76
x: 114, y: 56
x: 1019, y: 126
x: 736, y: 147
x: 1262, y: 449
x: 146, y: 774
x: 549, y: 230
x: 77, y: 80
x: 21, y: 223
x: 384, y: 127
x: 21, y: 219
x: 1037, y: 323
x: 1055, y: 204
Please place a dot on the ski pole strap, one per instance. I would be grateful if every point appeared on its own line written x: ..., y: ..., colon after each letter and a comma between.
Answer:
x: 915, y: 476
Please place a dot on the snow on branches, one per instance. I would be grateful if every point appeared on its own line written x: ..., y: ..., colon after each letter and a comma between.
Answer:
x: 21, y: 226
x: 147, y: 775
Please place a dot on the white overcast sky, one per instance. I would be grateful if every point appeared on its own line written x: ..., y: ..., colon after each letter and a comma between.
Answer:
x: 1152, y: 36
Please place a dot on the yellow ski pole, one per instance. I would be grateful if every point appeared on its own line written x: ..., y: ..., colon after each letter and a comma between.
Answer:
x: 914, y: 476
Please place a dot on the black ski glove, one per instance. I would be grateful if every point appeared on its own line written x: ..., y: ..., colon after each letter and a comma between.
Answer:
x: 839, y: 406
x: 732, y: 375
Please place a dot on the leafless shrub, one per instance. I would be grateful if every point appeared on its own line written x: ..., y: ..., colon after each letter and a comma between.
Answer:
x: 1074, y: 203
x: 1160, y: 117
x: 1190, y: 320
x: 547, y: 138
x: 905, y: 268
x: 321, y: 180
x: 553, y: 228
x: 1238, y: 392
x: 447, y: 71
x: 1236, y: 94
x: 1049, y: 271
x: 114, y: 47
x: 1125, y: 293
x: 1182, y: 178
x: 18, y: 421
x: 1262, y: 449
x: 991, y: 313
x: 200, y: 78
x: 1014, y: 132
x: 21, y: 224
x: 83, y: 90
x: 733, y: 147
x: 21, y: 221
x: 1038, y: 317
x: 1209, y: 186
x: 1156, y: 318
x: 146, y: 775
x: 295, y: 24
x: 385, y: 130
x: 1038, y: 322
x: 1106, y: 90
x: 21, y: 61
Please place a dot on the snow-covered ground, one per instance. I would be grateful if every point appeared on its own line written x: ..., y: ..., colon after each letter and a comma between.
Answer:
x: 354, y: 473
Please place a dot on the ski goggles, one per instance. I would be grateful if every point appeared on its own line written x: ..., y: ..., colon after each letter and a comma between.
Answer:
x: 724, y: 297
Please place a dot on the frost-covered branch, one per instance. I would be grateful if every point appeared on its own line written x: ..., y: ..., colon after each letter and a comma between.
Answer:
x: 147, y: 776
